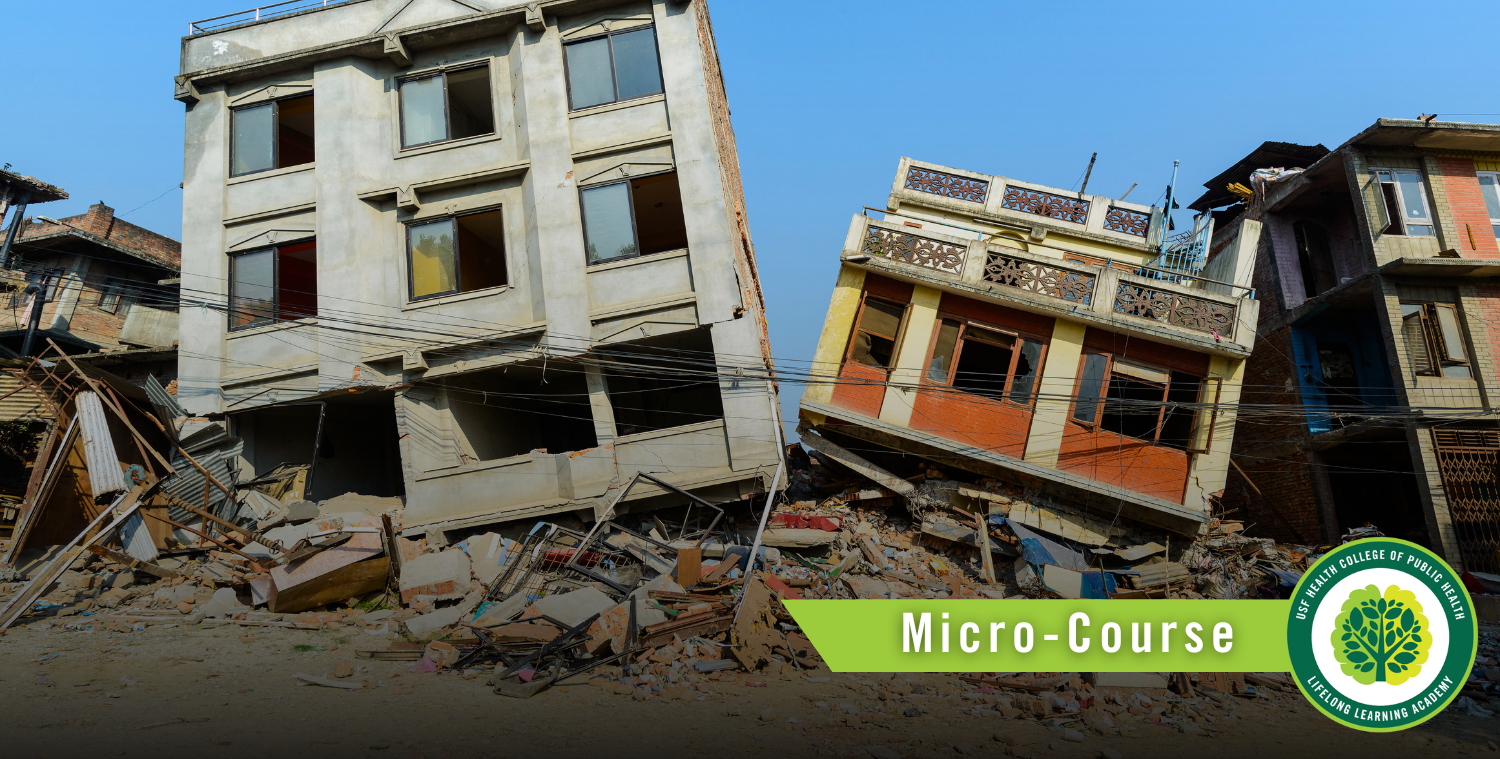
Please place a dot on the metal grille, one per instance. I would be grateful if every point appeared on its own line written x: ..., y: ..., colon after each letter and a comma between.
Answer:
x: 1177, y: 310
x: 1033, y: 277
x: 1467, y: 460
x: 1046, y: 204
x: 1127, y: 221
x: 922, y: 251
x: 947, y: 185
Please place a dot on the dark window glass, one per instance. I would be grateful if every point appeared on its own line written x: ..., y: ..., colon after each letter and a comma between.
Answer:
x: 615, y: 67
x: 461, y: 254
x: 449, y: 106
x: 294, y: 131
x: 984, y: 364
x: 942, y: 351
x: 1177, y: 423
x: 1027, y: 366
x: 1090, y: 384
x: 638, y: 217
x: 273, y: 284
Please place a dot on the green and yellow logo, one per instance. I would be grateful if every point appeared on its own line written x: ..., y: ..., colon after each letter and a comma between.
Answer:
x: 1382, y: 634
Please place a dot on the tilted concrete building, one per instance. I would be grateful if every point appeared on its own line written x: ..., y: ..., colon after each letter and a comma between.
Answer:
x: 1040, y: 336
x: 502, y: 247
x: 1380, y: 276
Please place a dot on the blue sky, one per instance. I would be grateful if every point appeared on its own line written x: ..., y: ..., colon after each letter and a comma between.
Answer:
x: 827, y: 96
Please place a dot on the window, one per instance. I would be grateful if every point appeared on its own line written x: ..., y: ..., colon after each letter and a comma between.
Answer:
x: 1314, y: 257
x: 53, y: 276
x: 273, y: 284
x: 111, y: 295
x: 618, y: 66
x: 1434, y: 340
x: 636, y: 217
x: 1489, y: 186
x: 459, y: 254
x: 271, y: 135
x: 450, y: 105
x: 875, y: 333
x: 1405, y: 202
x: 1158, y: 405
x: 985, y: 361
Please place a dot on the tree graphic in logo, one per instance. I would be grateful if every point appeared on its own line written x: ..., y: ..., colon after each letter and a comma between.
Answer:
x: 1381, y: 639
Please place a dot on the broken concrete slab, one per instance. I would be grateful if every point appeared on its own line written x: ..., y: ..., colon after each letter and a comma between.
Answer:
x: 575, y: 606
x: 434, y: 622
x: 444, y: 574
x: 370, y: 505
x: 797, y: 537
x: 487, y: 555
x: 224, y: 602
x: 301, y: 511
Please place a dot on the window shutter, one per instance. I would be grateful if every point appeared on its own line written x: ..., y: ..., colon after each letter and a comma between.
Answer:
x: 1204, y: 417
x: 1382, y: 205
x: 1449, y: 338
x: 1414, y: 334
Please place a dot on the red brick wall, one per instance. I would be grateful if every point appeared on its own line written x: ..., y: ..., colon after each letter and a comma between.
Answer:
x: 100, y: 221
x: 1488, y: 299
x: 972, y: 420
x: 1285, y: 509
x: 861, y: 389
x: 1124, y: 462
x: 1476, y: 236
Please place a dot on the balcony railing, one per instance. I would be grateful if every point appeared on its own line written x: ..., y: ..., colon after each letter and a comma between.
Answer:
x: 257, y: 14
x: 1176, y: 309
x: 1043, y: 279
x: 914, y: 249
x: 945, y: 184
x: 1046, y: 204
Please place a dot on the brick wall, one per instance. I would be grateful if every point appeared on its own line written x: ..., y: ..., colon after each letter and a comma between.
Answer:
x: 1474, y: 236
x: 100, y: 221
x: 1286, y: 485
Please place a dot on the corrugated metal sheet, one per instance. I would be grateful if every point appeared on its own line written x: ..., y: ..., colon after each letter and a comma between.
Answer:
x: 137, y: 539
x: 20, y: 405
x: 105, y: 474
x: 167, y: 407
x: 188, y: 483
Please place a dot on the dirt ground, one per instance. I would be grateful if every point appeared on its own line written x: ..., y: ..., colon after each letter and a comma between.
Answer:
x: 175, y: 691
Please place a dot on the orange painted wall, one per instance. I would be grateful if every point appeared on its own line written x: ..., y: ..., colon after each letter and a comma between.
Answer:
x: 1124, y: 462
x: 972, y: 420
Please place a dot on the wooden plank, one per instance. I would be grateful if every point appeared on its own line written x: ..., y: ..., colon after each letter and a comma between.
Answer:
x: 345, y: 582
x: 166, y: 466
x: 689, y: 568
x: 37, y: 497
x: 135, y: 564
x: 730, y: 562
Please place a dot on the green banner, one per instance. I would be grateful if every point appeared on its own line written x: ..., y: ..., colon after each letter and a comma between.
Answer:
x: 1054, y: 635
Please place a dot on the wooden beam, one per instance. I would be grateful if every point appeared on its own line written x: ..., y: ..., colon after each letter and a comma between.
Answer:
x: 133, y: 563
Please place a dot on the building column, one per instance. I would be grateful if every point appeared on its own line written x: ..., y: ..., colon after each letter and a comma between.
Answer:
x: 1209, y: 471
x: 1323, y: 491
x: 911, y: 355
x: 68, y: 292
x: 603, y: 411
x: 837, y: 327
x: 1055, y: 393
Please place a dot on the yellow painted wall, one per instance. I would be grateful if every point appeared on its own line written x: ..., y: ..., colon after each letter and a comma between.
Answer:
x: 1058, y: 375
x: 916, y: 335
x: 1210, y: 471
x: 837, y: 327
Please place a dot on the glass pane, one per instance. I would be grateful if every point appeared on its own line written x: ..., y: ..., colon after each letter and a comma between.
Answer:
x: 1419, y: 230
x: 881, y: 318
x: 433, y: 268
x: 1027, y: 367
x: 481, y: 251
x: 297, y: 280
x: 251, y: 136
x: 422, y: 117
x: 608, y: 232
x: 1412, y: 204
x: 590, y: 80
x: 998, y: 338
x: 942, y: 353
x: 1453, y: 338
x: 470, y: 112
x: 1489, y: 186
x: 252, y: 288
x: 1089, y: 385
x: 636, y: 70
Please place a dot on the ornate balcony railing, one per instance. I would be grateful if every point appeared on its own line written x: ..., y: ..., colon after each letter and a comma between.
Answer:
x: 1127, y: 221
x: 922, y: 251
x: 947, y: 185
x: 1040, y: 278
x: 1175, y: 309
x: 1046, y: 204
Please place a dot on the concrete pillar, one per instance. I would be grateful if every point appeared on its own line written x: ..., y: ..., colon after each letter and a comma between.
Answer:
x: 837, y: 327
x: 911, y: 355
x: 603, y: 411
x: 1209, y: 472
x: 68, y: 292
x: 205, y: 267
x: 1055, y: 391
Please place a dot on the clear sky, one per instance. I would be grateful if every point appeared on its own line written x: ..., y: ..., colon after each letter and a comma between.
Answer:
x: 827, y: 96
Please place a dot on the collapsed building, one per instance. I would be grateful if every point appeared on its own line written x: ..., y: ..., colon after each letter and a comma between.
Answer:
x: 491, y: 258
x: 1060, y: 341
x: 1377, y: 268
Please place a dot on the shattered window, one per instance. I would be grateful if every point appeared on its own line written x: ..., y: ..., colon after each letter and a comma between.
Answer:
x: 874, y: 342
x: 272, y: 135
x: 1141, y: 401
x: 617, y: 66
x: 111, y: 295
x: 985, y: 361
x: 457, y: 255
x: 451, y: 105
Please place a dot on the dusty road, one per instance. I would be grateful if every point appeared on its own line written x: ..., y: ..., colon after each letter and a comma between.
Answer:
x: 230, y: 692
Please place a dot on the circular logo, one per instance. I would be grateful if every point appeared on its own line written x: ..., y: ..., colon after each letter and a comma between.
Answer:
x: 1382, y: 634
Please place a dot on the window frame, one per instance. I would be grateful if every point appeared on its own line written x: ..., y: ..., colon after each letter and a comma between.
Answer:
x: 55, y: 275
x: 275, y: 104
x: 635, y: 230
x: 1434, y: 343
x: 1197, y: 430
x: 275, y: 317
x: 447, y: 119
x: 1400, y: 211
x: 1495, y: 177
x: 614, y: 77
x: 457, y: 252
x: 854, y: 331
x: 112, y: 286
x: 1002, y: 396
